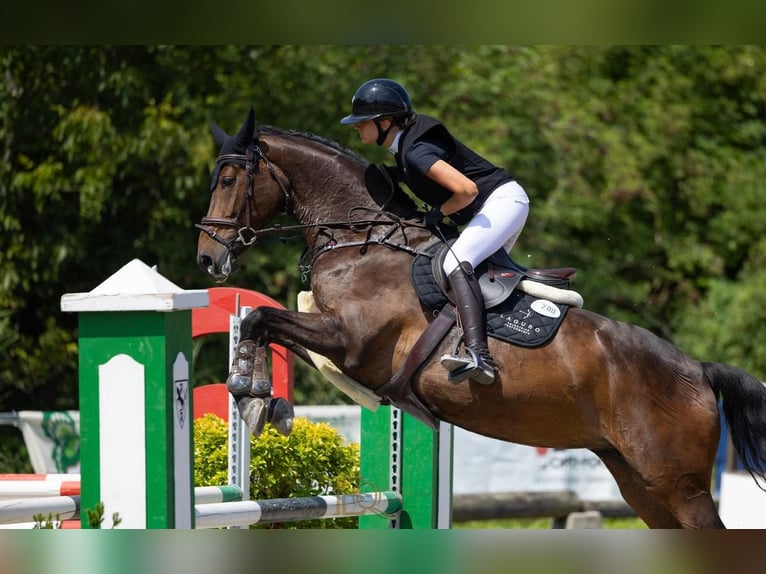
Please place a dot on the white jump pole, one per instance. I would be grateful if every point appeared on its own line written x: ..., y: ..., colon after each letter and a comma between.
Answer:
x: 20, y: 489
x: 250, y: 512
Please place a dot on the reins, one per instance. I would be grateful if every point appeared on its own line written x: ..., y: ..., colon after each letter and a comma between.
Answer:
x: 247, y: 235
x: 395, y: 223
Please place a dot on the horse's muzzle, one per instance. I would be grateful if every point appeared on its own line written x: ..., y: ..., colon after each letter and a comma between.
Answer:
x: 218, y: 268
x: 216, y: 254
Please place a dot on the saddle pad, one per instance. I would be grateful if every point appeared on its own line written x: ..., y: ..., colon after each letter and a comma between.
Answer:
x: 522, y: 319
x: 525, y: 320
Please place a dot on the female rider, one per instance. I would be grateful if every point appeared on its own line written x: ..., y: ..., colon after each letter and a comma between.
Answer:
x: 457, y: 183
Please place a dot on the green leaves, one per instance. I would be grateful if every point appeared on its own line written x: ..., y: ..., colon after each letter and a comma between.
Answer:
x: 313, y: 460
x: 644, y: 164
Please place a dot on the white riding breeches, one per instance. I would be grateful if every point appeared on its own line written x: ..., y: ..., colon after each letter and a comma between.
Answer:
x: 497, y: 224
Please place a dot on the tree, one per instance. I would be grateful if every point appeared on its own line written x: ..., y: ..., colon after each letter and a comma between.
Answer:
x: 644, y: 164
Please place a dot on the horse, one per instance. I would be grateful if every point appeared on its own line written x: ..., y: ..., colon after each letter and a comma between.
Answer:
x: 647, y: 410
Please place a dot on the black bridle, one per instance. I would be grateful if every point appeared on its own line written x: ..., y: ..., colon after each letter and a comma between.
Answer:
x: 246, y: 235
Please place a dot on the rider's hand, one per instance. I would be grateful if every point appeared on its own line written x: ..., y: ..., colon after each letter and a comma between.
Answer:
x: 433, y: 217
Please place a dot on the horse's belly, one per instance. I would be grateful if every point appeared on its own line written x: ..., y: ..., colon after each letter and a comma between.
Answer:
x: 543, y: 414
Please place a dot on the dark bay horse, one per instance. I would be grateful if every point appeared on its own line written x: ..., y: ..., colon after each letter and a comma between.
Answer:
x: 647, y: 410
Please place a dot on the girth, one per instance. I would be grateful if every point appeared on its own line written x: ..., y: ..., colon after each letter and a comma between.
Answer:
x: 398, y: 390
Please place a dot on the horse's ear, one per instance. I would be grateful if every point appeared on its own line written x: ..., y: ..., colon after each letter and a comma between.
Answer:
x: 245, y: 134
x: 219, y: 135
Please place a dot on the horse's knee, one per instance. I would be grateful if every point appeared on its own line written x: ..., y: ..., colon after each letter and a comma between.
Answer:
x: 253, y: 323
x: 254, y: 317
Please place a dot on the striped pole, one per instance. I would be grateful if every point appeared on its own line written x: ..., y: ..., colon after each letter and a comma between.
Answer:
x: 217, y: 494
x: 24, y: 510
x: 38, y: 488
x: 70, y: 524
x: 33, y: 476
x: 16, y: 489
x: 213, y: 511
x: 250, y: 512
x: 135, y: 397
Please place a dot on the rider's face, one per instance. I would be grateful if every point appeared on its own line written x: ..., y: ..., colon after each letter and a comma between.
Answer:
x: 368, y: 131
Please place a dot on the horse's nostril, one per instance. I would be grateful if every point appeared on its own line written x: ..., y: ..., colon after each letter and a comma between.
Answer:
x: 204, y: 261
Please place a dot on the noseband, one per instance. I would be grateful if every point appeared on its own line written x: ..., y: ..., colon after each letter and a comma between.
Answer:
x: 246, y: 235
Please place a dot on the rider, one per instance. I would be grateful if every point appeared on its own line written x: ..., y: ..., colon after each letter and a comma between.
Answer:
x: 457, y: 183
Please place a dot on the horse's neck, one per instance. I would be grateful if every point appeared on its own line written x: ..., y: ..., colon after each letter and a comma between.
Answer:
x: 326, y: 184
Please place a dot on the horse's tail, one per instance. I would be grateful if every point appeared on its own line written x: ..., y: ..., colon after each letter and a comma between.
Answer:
x: 744, y: 406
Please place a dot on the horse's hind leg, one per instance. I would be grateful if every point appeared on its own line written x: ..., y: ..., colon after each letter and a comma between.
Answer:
x: 694, y: 505
x: 682, y: 503
x: 635, y: 492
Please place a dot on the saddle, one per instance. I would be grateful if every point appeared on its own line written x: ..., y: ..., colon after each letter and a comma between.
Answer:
x: 524, y: 307
x: 498, y: 277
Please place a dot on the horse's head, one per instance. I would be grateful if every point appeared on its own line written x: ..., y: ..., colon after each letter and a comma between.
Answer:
x: 248, y: 191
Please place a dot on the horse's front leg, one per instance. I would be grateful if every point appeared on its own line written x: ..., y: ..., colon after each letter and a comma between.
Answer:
x: 250, y: 385
x: 249, y: 381
x: 322, y: 333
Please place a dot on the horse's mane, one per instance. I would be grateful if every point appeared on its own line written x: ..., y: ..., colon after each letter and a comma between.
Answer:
x: 271, y: 130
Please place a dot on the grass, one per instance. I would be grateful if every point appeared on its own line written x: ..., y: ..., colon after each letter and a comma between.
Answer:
x: 545, y: 524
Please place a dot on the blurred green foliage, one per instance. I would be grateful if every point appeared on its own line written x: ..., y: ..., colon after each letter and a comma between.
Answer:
x: 645, y: 165
x: 312, y: 461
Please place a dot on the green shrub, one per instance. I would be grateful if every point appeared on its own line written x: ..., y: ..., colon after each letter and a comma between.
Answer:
x: 312, y: 461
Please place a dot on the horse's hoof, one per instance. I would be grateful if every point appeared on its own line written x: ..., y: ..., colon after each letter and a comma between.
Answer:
x: 238, y: 384
x: 253, y: 412
x: 281, y: 415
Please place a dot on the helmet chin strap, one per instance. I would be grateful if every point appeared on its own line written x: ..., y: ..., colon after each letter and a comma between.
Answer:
x: 382, y: 134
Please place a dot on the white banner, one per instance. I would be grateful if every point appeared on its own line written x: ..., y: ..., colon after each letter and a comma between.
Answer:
x: 482, y: 464
x: 486, y: 465
x: 52, y: 439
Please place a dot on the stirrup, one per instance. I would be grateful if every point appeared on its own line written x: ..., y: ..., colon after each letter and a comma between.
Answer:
x: 470, y: 366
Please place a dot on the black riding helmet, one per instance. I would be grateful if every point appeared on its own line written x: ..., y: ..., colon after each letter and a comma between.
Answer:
x: 379, y: 98
x: 376, y: 98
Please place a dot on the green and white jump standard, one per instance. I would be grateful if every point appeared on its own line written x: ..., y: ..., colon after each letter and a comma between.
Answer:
x: 135, y: 352
x: 401, y: 454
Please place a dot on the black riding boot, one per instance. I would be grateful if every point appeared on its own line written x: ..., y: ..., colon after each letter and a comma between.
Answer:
x: 476, y: 363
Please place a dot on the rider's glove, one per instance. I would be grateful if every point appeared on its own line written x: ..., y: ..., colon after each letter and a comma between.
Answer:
x: 433, y: 217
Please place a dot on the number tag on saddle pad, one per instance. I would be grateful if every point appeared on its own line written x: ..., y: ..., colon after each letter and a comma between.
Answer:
x: 525, y: 320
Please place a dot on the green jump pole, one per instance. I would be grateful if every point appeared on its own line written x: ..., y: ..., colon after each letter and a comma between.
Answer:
x: 400, y: 453
x: 135, y: 381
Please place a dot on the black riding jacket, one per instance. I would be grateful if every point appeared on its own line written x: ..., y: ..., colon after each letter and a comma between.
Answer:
x: 486, y: 175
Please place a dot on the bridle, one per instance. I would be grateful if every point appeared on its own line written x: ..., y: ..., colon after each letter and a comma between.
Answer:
x: 246, y: 235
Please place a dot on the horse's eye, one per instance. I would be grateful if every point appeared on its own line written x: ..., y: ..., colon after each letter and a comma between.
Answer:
x: 228, y: 181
